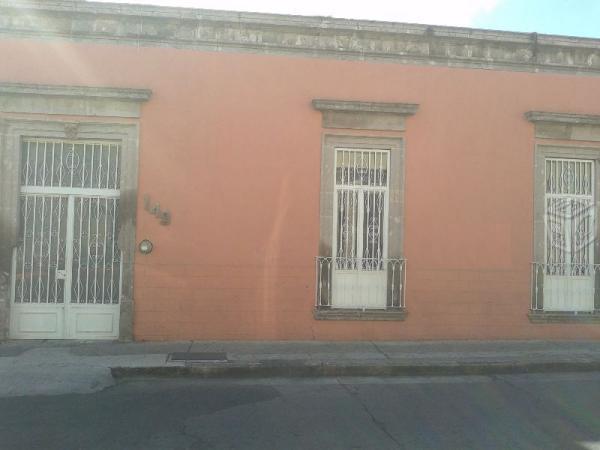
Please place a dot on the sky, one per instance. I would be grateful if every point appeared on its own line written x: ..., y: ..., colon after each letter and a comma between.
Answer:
x: 566, y: 17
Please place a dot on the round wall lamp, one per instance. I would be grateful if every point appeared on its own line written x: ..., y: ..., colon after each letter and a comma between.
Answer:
x: 146, y: 246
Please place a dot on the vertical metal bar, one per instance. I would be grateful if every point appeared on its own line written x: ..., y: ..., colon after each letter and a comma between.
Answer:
x: 49, y: 249
x: 549, y: 248
x: 72, y: 164
x: 117, y: 182
x: 43, y: 212
x: 83, y: 164
x: 359, y: 223
x: 386, y: 205
x: 538, y: 294
x: 379, y: 172
x: 553, y: 248
x: 44, y: 164
x: 97, y: 226
x: 32, y: 248
x: 13, y: 275
x: 393, y: 280
x: 52, y: 166
x: 568, y: 251
x: 403, y: 294
x: 591, y: 216
x: 562, y: 178
x: 319, y: 282
x: 346, y: 209
x: 534, y: 283
x: 79, y: 257
x: 549, y: 180
x: 112, y: 247
x: 351, y: 172
x: 58, y: 240
x: 100, y: 165
x: 369, y: 212
x: 591, y: 177
x: 356, y: 238
x: 33, y: 236
x: 104, y: 249
x: 87, y: 267
x: 346, y: 223
x: 357, y: 207
x: 328, y: 282
x: 92, y: 165
x: 35, y: 168
x: 69, y: 259
x: 25, y: 222
x: 62, y: 163
x: 120, y: 276
x: 108, y: 159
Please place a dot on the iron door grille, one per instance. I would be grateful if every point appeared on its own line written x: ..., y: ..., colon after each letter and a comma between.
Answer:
x: 67, y: 246
x: 361, y: 184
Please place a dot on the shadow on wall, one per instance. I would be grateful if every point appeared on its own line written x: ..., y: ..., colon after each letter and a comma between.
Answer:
x: 270, y: 292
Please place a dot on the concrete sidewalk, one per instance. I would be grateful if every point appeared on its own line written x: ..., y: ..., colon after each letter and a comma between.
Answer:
x: 58, y: 367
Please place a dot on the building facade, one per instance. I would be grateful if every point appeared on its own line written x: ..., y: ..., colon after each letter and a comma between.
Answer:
x: 190, y: 174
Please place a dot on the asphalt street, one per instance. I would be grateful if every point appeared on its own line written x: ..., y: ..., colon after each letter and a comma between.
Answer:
x: 552, y: 411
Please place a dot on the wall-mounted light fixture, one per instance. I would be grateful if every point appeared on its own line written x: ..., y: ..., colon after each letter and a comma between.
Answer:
x: 146, y: 246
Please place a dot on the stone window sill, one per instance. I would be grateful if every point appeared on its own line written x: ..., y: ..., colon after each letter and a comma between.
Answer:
x: 564, y: 317
x: 397, y: 314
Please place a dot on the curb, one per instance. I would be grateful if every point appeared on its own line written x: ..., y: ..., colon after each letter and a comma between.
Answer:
x: 311, y: 369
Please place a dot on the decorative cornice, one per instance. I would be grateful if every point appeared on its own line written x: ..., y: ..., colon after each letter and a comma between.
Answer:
x: 59, y: 100
x: 79, y: 92
x: 565, y: 118
x: 405, y: 109
x: 296, y: 35
x: 364, y: 115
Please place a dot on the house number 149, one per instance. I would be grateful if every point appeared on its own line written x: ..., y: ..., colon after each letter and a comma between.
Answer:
x: 163, y: 216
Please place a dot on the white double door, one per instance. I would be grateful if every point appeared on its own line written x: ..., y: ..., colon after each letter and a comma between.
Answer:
x: 570, y: 272
x: 66, y: 272
x: 359, y: 269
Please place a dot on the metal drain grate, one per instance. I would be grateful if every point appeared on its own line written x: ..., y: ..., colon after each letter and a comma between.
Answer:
x: 198, y: 356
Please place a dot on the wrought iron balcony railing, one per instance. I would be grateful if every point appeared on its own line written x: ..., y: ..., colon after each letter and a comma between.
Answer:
x: 360, y: 283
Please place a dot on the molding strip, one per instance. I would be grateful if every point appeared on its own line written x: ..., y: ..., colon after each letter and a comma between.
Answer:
x: 565, y: 126
x: 405, y: 109
x: 356, y: 115
x: 577, y: 119
x: 143, y: 25
x: 72, y: 100
x: 122, y: 94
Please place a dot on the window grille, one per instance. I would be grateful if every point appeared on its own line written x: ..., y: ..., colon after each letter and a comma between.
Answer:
x: 67, y: 247
x: 361, y: 209
x: 570, y: 229
x: 74, y: 164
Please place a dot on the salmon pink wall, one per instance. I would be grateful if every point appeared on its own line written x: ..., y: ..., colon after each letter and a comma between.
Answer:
x: 230, y: 145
